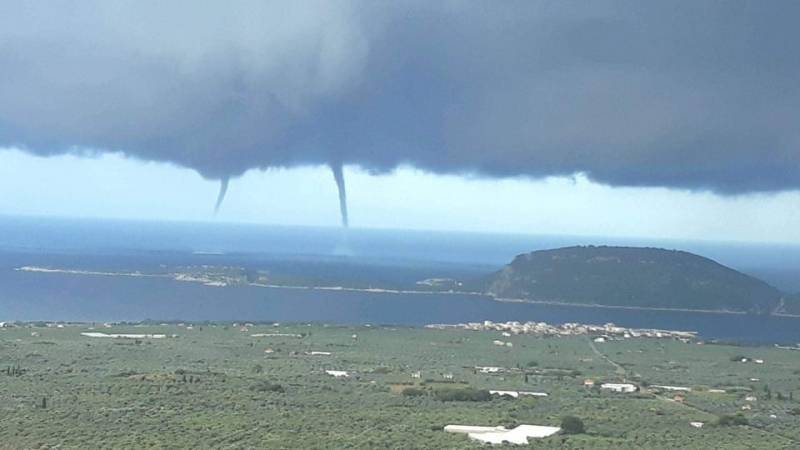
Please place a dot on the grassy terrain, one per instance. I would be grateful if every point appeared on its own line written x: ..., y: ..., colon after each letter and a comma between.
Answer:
x: 215, y: 386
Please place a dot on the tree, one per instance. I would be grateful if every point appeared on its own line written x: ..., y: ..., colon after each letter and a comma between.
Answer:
x: 728, y: 420
x: 462, y: 395
x: 572, y: 425
x: 413, y: 392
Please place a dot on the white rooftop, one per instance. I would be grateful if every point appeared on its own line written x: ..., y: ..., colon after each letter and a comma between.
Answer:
x: 337, y: 373
x: 500, y: 435
x: 517, y: 394
x: 672, y: 388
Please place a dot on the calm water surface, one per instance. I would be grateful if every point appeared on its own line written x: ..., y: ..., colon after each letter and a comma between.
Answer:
x: 393, y: 257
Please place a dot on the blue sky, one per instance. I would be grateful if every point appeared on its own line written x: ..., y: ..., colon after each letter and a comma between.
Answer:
x: 113, y: 186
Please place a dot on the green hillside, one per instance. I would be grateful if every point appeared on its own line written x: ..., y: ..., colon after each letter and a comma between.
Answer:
x: 629, y: 276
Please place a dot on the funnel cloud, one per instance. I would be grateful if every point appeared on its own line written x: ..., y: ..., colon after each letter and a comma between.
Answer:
x: 686, y: 95
x: 338, y: 176
x: 223, y: 189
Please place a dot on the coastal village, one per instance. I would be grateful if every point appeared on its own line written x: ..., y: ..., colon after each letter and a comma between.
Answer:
x: 606, y: 331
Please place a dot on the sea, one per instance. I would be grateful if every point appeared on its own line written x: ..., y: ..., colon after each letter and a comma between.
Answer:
x: 387, y: 257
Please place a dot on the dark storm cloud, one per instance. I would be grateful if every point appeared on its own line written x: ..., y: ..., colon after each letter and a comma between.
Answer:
x: 699, y: 95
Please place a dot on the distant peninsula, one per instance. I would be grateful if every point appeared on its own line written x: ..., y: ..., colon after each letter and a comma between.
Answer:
x: 634, y: 277
x: 586, y: 276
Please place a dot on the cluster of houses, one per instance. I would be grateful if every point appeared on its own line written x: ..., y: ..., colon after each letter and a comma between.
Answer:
x: 16, y: 324
x: 753, y: 360
x: 127, y: 336
x: 678, y: 392
x: 490, y: 369
x: 566, y: 329
x: 292, y: 335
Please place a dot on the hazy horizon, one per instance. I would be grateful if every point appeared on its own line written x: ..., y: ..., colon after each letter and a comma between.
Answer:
x: 67, y: 186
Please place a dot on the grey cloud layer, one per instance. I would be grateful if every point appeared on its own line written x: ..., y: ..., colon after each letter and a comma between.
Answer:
x: 687, y: 94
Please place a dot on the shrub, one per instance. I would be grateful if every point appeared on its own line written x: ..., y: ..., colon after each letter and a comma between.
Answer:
x: 728, y: 420
x: 266, y: 386
x: 463, y: 395
x: 572, y: 425
x: 413, y: 392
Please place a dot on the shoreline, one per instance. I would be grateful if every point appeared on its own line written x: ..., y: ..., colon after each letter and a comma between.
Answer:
x: 212, y: 283
x: 634, y: 308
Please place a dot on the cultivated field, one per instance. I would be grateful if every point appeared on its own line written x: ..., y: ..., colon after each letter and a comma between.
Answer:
x: 215, y: 385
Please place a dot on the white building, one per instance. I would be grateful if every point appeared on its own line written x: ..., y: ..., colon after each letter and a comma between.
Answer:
x: 671, y: 388
x: 500, y: 435
x: 337, y: 373
x: 620, y: 387
x: 533, y: 394
x: 470, y: 429
x: 517, y: 394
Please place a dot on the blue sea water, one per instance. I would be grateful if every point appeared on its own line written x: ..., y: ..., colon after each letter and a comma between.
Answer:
x: 388, y: 256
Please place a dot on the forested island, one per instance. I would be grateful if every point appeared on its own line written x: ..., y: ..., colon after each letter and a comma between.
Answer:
x: 635, y: 277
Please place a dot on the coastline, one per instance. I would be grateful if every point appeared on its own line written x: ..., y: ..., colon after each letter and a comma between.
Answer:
x: 634, y: 308
x: 213, y: 283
